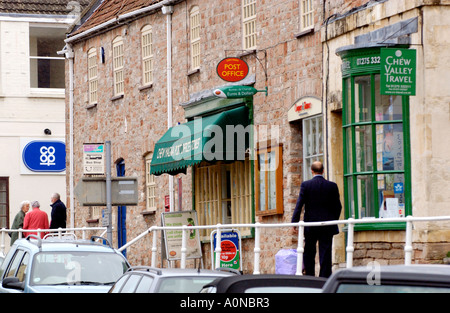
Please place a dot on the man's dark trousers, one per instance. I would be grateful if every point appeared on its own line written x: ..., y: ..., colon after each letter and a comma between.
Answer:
x: 325, y: 240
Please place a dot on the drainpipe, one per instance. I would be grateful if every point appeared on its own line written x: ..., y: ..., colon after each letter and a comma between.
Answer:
x: 68, y: 52
x: 168, y: 11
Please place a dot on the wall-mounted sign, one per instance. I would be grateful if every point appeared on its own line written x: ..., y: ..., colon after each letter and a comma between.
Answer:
x: 398, y: 72
x: 232, y: 69
x: 233, y: 92
x: 230, y: 243
x: 304, y: 107
x: 94, y: 159
x: 44, y: 156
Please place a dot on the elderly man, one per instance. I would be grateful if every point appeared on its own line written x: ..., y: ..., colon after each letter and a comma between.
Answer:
x: 59, y: 212
x: 36, y: 219
x: 18, y: 220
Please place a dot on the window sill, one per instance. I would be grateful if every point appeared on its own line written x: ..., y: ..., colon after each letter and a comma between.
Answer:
x: 378, y: 226
x: 304, y: 33
x: 246, y: 53
x: 117, y: 97
x: 91, y: 106
x: 146, y: 213
x: 145, y: 87
x: 192, y: 72
x: 92, y: 221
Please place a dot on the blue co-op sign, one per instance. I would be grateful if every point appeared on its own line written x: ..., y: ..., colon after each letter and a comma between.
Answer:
x: 45, y: 156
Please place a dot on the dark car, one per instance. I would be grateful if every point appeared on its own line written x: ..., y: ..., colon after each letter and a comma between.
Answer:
x: 265, y: 284
x: 390, y: 279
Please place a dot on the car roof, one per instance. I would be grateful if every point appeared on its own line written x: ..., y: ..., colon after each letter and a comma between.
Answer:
x: 179, y: 272
x: 61, y: 245
x: 240, y: 283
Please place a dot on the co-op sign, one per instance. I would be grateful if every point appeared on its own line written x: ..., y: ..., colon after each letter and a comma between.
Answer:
x: 44, y: 156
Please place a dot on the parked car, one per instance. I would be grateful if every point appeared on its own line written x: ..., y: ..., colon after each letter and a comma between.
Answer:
x: 145, y: 279
x: 60, y: 265
x: 390, y: 279
x: 266, y: 284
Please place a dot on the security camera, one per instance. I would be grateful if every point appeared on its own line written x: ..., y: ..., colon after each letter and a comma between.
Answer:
x: 47, y: 131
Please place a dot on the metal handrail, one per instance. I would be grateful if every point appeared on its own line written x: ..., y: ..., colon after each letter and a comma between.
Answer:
x: 409, y: 220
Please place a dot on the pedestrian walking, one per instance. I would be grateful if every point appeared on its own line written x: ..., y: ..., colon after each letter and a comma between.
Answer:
x: 36, y: 219
x: 59, y: 212
x: 320, y: 198
x: 18, y: 220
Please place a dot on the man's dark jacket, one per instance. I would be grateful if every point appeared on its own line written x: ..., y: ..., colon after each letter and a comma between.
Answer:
x: 321, y: 200
x: 59, y: 215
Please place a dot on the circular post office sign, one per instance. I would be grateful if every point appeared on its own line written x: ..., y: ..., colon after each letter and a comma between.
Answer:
x: 232, y: 69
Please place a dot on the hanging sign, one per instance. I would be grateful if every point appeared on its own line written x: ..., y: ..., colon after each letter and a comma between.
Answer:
x: 234, y: 92
x: 398, y: 72
x: 232, y: 69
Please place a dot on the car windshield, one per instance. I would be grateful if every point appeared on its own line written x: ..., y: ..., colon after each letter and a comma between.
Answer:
x: 357, y: 288
x: 77, y: 268
x: 183, y: 284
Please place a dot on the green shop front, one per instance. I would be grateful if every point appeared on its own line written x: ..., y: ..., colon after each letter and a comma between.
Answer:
x: 376, y: 85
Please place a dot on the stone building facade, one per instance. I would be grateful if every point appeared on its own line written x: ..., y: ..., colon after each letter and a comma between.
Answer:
x: 294, y: 56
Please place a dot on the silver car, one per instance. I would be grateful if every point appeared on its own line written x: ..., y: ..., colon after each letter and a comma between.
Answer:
x: 54, y: 265
x: 145, y: 279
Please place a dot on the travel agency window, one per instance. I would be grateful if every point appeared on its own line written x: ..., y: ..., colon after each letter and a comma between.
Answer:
x: 377, y: 176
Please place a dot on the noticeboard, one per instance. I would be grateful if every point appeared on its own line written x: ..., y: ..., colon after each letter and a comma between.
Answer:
x: 93, y: 159
x: 173, y: 238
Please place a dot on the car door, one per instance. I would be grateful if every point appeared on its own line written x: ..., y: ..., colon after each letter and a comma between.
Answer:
x: 17, y: 267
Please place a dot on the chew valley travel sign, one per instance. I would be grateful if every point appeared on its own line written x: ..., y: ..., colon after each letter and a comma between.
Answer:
x: 398, y: 72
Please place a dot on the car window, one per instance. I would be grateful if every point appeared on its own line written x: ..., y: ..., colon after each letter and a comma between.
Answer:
x: 21, y: 272
x: 65, y: 268
x: 14, y: 265
x: 145, y: 284
x: 357, y: 288
x: 183, y: 284
x: 118, y: 285
x: 130, y: 284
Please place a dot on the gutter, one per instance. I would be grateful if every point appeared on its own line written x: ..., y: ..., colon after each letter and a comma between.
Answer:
x: 121, y: 18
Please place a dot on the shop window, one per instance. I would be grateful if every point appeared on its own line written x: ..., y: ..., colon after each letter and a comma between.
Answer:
x: 195, y: 37
x: 249, y: 24
x: 376, y: 156
x: 312, y: 143
x: 269, y: 180
x: 118, y: 70
x: 92, y: 75
x: 223, y: 194
x: 147, y: 55
x: 46, y: 66
x: 4, y: 202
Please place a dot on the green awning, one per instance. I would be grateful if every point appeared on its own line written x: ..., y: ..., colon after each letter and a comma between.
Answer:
x: 223, y: 136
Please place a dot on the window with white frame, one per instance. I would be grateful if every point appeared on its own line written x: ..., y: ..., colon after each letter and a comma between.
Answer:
x: 118, y: 66
x: 150, y: 185
x: 312, y: 143
x: 195, y: 37
x: 306, y: 14
x: 92, y: 75
x: 47, y: 68
x: 249, y: 24
x: 147, y: 55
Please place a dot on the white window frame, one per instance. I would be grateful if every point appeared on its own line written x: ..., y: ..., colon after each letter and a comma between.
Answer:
x: 147, y: 55
x: 92, y: 76
x: 249, y: 24
x: 312, y: 143
x: 118, y: 62
x: 306, y: 14
x: 150, y: 185
x: 195, y: 37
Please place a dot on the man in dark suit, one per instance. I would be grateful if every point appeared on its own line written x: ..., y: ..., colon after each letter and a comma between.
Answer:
x: 322, y: 203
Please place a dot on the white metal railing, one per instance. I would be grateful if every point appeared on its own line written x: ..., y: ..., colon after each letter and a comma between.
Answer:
x: 60, y: 231
x: 300, y: 225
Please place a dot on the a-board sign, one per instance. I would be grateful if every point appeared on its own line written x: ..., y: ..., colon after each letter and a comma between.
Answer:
x: 230, y: 256
x: 173, y: 238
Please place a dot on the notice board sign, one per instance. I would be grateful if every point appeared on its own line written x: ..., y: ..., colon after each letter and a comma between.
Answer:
x: 173, y: 238
x: 398, y: 72
x: 93, y: 159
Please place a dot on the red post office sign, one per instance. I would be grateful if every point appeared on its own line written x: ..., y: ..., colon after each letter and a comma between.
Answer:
x: 232, y: 69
